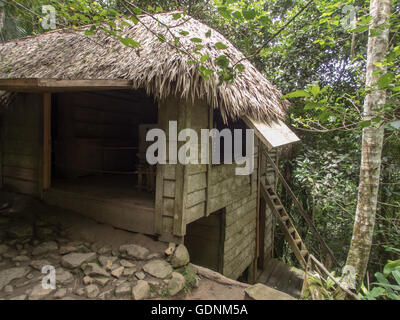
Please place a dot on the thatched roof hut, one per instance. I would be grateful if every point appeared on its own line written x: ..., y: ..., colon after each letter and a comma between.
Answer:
x: 155, y: 66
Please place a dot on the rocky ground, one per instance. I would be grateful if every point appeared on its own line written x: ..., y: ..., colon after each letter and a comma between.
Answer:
x: 95, y: 261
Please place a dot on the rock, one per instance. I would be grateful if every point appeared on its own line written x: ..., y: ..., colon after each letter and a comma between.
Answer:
x: 126, y: 263
x: 63, y: 276
x: 8, y: 275
x: 20, y: 259
x: 21, y: 231
x: 101, y: 281
x: 155, y: 256
x: 74, y: 260
x: 123, y: 290
x: 129, y: 272
x: 87, y: 280
x: 80, y: 292
x: 92, y: 291
x: 67, y: 249
x: 106, y: 294
x: 8, y: 289
x: 180, y: 257
x: 158, y: 268
x: 140, y: 275
x: 45, y: 247
x: 60, y: 293
x: 171, y: 248
x: 93, y: 270
x: 176, y: 284
x: 29, y: 276
x: 104, y: 250
x: 107, y: 261
x: 39, y: 264
x: 3, y: 248
x: 38, y: 292
x: 118, y: 272
x: 262, y: 292
x: 141, y: 290
x: 134, y: 251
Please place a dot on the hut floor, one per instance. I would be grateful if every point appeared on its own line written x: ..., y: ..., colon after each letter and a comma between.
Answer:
x: 114, y: 200
x: 282, y: 277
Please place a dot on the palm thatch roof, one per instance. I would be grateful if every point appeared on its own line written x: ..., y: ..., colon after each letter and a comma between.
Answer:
x: 155, y: 66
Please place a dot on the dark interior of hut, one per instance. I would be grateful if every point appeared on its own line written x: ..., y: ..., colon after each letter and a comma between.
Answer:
x: 98, y: 144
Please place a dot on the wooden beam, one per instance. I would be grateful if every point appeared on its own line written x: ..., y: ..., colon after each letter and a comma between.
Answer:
x: 60, y: 85
x: 46, y: 141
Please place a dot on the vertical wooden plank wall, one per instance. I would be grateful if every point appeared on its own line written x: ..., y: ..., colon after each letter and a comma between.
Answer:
x: 46, y: 141
x: 20, y: 141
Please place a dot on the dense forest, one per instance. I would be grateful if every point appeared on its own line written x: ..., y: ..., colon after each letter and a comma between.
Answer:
x: 333, y: 59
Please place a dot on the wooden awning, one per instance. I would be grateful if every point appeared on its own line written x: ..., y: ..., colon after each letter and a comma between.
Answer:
x: 274, y: 134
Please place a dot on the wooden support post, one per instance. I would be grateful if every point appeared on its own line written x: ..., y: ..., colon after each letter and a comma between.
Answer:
x: 209, y: 164
x: 46, y: 140
x: 184, y: 121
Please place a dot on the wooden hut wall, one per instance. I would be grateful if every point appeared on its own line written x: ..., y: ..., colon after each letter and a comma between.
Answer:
x: 20, y: 145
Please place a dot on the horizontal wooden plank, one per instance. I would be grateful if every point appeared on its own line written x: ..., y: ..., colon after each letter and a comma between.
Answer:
x: 195, y: 198
x: 20, y: 173
x: 21, y: 147
x: 20, y: 161
x: 197, y: 182
x: 21, y: 186
x: 194, y: 213
x: 45, y: 85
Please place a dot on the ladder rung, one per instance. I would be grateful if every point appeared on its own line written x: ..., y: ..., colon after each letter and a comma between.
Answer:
x: 285, y: 218
x: 297, y: 241
x: 291, y: 230
x: 304, y: 252
x: 278, y: 207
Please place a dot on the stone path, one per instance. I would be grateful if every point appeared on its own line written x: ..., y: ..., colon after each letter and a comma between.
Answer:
x: 109, y: 264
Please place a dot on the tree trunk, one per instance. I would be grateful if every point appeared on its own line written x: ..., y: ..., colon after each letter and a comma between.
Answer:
x: 372, y: 142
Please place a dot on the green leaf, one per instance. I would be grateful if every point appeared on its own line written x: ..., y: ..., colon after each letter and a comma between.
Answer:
x: 359, y: 29
x: 364, y: 124
x: 137, y: 11
x: 222, y: 61
x: 196, y: 40
x: 161, y: 37
x: 134, y: 20
x: 208, y: 34
x: 204, y: 58
x: 237, y: 15
x: 385, y: 80
x: 220, y: 46
x: 249, y: 14
x: 184, y: 33
x: 390, y: 266
x: 176, y: 16
x: 225, y: 12
x: 129, y: 42
x: 240, y: 67
x: 265, y: 20
x: 315, y: 90
x: 297, y: 94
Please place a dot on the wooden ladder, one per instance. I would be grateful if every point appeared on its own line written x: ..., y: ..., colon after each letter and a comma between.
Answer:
x: 291, y: 235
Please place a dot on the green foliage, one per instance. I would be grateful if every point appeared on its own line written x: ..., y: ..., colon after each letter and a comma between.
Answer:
x: 387, y: 286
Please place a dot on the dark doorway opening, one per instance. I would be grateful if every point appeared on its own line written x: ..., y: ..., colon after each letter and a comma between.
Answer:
x: 205, y: 241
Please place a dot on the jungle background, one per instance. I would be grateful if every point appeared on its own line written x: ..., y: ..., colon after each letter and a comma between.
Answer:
x: 315, y: 53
